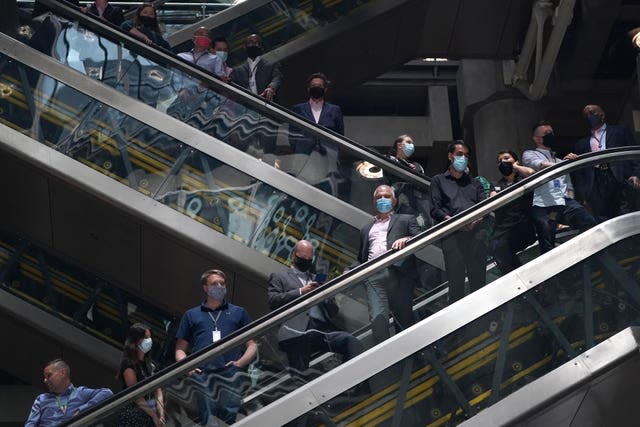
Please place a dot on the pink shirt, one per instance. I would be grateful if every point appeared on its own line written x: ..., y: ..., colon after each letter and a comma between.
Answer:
x: 378, y: 237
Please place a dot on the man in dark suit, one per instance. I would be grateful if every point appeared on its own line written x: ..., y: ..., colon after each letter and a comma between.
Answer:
x: 312, y: 330
x: 103, y: 10
x: 602, y: 188
x: 390, y: 290
x: 257, y: 74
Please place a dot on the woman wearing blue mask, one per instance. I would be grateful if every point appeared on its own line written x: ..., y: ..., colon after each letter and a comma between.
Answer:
x: 401, y: 150
x: 136, y: 365
x: 412, y: 198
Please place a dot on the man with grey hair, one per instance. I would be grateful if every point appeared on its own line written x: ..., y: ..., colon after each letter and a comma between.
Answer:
x: 64, y: 400
x: 391, y: 289
x: 312, y: 330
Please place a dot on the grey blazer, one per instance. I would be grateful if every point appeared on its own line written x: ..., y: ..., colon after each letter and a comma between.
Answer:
x: 284, y: 287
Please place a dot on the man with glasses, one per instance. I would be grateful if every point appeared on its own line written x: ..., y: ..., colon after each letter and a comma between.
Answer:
x: 214, y: 319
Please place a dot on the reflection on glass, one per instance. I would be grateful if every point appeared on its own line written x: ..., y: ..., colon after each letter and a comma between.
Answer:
x: 234, y: 118
x: 76, y: 296
x: 495, y: 355
x: 153, y: 163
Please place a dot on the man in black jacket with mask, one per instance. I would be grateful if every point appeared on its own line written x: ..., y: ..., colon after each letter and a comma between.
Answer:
x: 553, y: 202
x: 257, y: 74
x: 312, y: 330
x: 602, y: 187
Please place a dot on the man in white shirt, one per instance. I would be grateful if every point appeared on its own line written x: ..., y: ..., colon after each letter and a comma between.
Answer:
x: 258, y: 75
x: 553, y: 202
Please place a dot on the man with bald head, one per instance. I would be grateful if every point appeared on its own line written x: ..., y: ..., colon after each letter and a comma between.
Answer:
x: 313, y: 329
x: 389, y: 291
x: 257, y: 74
x: 602, y: 187
x: 64, y: 400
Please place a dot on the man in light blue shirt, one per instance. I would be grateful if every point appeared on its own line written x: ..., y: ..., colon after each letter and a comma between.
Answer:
x: 553, y: 202
x: 64, y: 400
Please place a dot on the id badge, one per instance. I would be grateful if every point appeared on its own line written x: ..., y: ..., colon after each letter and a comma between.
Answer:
x: 556, y: 183
x: 216, y: 335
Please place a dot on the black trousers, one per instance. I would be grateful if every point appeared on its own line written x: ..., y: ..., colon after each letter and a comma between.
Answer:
x: 318, y: 338
x: 465, y: 255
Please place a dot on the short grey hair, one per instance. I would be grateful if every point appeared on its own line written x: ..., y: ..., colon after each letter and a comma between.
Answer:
x: 393, y: 191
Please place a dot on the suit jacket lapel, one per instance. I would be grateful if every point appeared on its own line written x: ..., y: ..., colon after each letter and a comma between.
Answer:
x: 308, y: 113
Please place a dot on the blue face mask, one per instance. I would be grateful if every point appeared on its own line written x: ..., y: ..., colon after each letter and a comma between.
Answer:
x: 408, y: 149
x: 217, y: 292
x: 145, y: 345
x: 222, y: 55
x: 384, y: 205
x: 460, y: 163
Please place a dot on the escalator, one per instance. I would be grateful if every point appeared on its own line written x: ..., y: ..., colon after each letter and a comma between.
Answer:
x: 343, y: 39
x: 458, y: 359
x: 111, y: 166
x: 51, y: 307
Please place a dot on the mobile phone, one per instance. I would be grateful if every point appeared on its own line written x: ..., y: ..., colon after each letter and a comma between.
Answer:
x: 320, y: 277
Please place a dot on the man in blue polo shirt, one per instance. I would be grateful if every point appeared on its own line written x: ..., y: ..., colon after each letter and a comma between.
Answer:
x: 203, y: 325
x: 64, y: 400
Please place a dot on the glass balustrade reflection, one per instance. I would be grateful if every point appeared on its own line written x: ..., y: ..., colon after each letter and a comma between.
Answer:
x: 236, y: 118
x: 153, y: 163
x: 469, y: 370
x: 90, y: 303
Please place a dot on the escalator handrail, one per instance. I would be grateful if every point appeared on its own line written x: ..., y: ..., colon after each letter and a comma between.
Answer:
x: 446, y: 321
x: 337, y: 285
x: 163, y: 57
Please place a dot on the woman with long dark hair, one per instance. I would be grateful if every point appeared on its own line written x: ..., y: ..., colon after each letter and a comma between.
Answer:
x: 146, y: 27
x: 136, y: 365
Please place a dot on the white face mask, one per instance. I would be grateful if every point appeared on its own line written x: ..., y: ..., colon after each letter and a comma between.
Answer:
x: 145, y: 345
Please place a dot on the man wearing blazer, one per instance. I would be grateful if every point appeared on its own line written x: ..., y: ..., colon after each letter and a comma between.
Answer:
x: 257, y: 74
x: 602, y: 187
x: 389, y: 291
x: 313, y: 329
x: 316, y: 109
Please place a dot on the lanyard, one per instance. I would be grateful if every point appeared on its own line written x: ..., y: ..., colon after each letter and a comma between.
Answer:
x: 599, y: 140
x: 215, y: 321
x: 197, y: 58
x: 64, y: 405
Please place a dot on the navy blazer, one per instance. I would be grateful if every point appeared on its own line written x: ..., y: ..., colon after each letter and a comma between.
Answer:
x: 284, y: 287
x: 268, y: 74
x: 615, y: 136
x: 401, y: 225
x: 330, y: 116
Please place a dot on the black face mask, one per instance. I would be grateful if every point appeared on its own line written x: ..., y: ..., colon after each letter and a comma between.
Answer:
x: 506, y: 168
x: 316, y: 92
x: 302, y: 264
x: 254, y: 51
x: 594, y: 120
x: 549, y: 141
x: 148, y: 21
